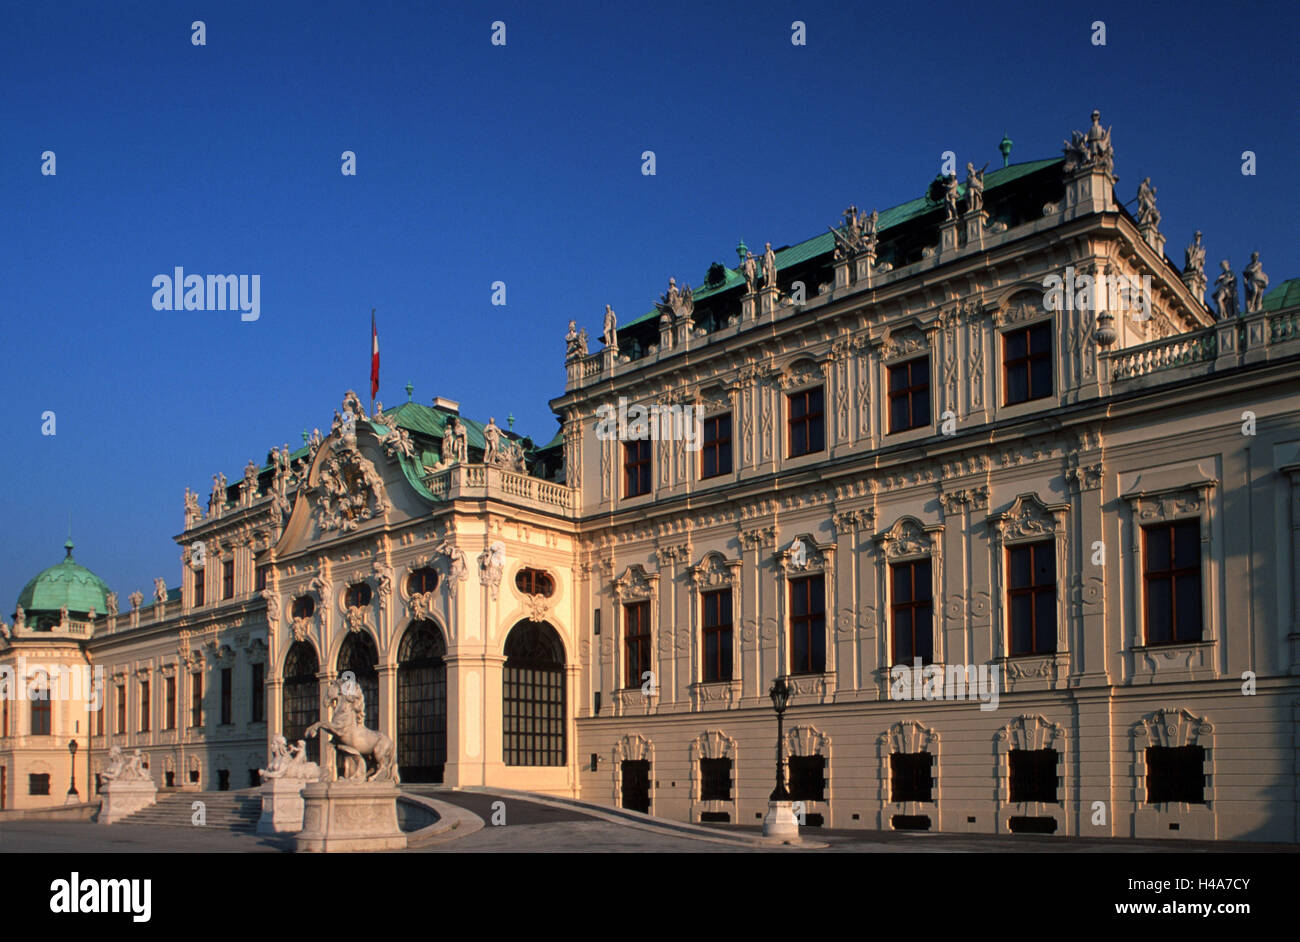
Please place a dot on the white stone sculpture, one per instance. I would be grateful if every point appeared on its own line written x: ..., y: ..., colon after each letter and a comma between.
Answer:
x: 975, y: 188
x: 1148, y: 215
x: 1225, y: 292
x: 1256, y: 281
x: 289, y: 762
x: 610, y: 335
x: 491, y: 562
x: 769, y: 267
x: 491, y: 442
x: 160, y: 590
x: 346, y: 706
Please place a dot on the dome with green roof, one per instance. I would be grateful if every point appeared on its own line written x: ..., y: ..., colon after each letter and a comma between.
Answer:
x: 66, y: 584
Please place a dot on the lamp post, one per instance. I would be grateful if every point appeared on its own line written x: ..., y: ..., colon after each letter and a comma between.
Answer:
x: 72, y: 798
x: 780, y: 822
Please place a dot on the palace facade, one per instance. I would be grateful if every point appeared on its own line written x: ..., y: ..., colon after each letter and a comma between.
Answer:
x: 1015, y: 512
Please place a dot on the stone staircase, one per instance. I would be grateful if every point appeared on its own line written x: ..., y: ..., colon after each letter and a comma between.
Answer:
x: 230, y: 811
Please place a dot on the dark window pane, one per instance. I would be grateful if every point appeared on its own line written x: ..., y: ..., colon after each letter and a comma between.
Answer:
x: 1019, y: 566
x: 1187, y: 544
x: 1187, y: 606
x: 1159, y: 612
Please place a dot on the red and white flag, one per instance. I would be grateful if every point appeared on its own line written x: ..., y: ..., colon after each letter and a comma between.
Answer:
x: 374, y: 356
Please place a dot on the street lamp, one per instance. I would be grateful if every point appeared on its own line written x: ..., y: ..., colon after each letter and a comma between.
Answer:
x: 780, y: 822
x: 72, y: 798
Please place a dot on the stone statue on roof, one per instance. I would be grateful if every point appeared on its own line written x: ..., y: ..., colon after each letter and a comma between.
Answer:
x: 769, y: 267
x: 610, y: 336
x: 160, y: 590
x: 1092, y: 148
x: 1225, y: 292
x: 250, y: 480
x: 975, y: 188
x: 950, y: 197
x: 492, y: 440
x: 1256, y: 281
x: 193, y: 513
x: 750, y: 271
x: 1194, y: 257
x: 1148, y: 215
x: 111, y: 600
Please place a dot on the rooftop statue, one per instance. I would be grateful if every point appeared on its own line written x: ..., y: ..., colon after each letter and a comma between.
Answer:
x: 852, y: 237
x: 1256, y: 281
x: 352, y: 405
x: 111, y: 600
x: 1194, y: 257
x: 1148, y: 215
x: 950, y: 196
x: 398, y: 442
x: 193, y: 513
x: 750, y: 270
x: 1090, y: 149
x: 610, y: 336
x: 1225, y: 292
x: 769, y: 267
x: 975, y: 188
x: 136, y: 599
x: 160, y: 590
x: 491, y: 442
x: 345, y: 705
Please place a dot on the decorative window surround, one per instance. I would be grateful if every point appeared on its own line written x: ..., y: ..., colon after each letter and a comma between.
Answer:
x: 1172, y: 728
x: 1163, y: 502
x: 714, y: 573
x: 635, y: 585
x: 817, y: 559
x: 908, y: 539
x: 907, y: 736
x: 1030, y: 520
x: 633, y: 747
x: 810, y: 741
x: 1031, y: 733
x: 713, y: 744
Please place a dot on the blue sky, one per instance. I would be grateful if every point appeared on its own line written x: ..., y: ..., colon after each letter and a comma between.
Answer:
x: 478, y: 163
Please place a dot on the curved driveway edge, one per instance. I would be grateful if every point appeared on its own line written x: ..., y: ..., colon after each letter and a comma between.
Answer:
x: 453, y: 822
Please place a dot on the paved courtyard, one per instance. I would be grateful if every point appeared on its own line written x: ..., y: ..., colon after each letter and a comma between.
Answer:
x: 550, y: 826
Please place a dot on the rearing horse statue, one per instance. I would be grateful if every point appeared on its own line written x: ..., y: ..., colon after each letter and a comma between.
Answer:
x: 347, y: 708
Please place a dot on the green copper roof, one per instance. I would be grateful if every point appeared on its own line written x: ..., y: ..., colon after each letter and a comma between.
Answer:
x: 1285, y: 295
x: 65, y: 584
x: 824, y: 244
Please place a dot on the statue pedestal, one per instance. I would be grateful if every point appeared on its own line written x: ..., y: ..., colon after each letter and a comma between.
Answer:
x: 350, y: 816
x: 123, y: 798
x: 780, y: 822
x: 282, y: 805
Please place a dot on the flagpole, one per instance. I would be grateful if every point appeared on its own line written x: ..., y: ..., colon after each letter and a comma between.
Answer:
x: 372, y: 354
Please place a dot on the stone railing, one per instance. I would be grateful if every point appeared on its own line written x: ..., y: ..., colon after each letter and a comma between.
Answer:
x: 1179, y: 350
x: 480, y: 480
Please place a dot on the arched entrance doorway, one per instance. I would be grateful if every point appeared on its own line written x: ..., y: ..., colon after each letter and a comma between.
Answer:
x: 360, y: 656
x: 533, y: 700
x: 422, y: 704
x: 300, y: 699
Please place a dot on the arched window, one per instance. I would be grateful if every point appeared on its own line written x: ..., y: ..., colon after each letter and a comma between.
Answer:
x: 357, y: 595
x: 533, y: 701
x: 360, y: 656
x: 535, y: 582
x: 304, y: 606
x: 421, y: 704
x: 301, y: 696
x: 421, y: 580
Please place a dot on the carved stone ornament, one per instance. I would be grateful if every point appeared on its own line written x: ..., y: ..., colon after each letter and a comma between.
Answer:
x: 422, y: 606
x: 1027, y: 518
x: 634, y: 585
x: 902, y: 342
x: 349, y: 490
x: 904, y: 539
x: 491, y: 562
x: 801, y: 373
x: 713, y: 572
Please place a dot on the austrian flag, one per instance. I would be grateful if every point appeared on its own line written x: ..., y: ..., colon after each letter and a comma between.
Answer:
x: 374, y: 356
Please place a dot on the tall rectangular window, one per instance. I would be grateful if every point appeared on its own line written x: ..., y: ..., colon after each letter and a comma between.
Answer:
x: 199, y: 588
x: 637, y: 468
x: 99, y: 712
x: 169, y: 719
x: 912, y: 612
x: 636, y: 642
x: 144, y: 706
x: 227, y: 689
x: 715, y: 446
x: 261, y: 573
x: 1027, y: 363
x: 121, y: 708
x: 808, y: 625
x: 40, y: 701
x: 1171, y: 573
x: 715, y: 780
x: 717, y: 635
x: 909, y: 395
x: 807, y: 422
x: 196, y: 698
x: 228, y: 579
x: 259, y: 693
x: 1031, y: 598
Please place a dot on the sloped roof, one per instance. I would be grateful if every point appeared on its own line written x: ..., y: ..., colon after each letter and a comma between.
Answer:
x: 1285, y: 295
x: 66, y: 583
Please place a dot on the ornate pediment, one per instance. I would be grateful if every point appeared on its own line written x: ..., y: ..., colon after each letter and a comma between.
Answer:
x: 348, y: 489
x: 714, y: 572
x: 803, y: 372
x: 902, y: 341
x: 1028, y: 518
x: 906, y: 538
x: 634, y: 585
x: 804, y: 555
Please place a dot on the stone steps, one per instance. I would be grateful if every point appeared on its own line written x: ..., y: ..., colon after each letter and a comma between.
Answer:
x: 226, y: 810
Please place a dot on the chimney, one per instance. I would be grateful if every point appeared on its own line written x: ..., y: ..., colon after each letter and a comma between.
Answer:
x: 446, y: 405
